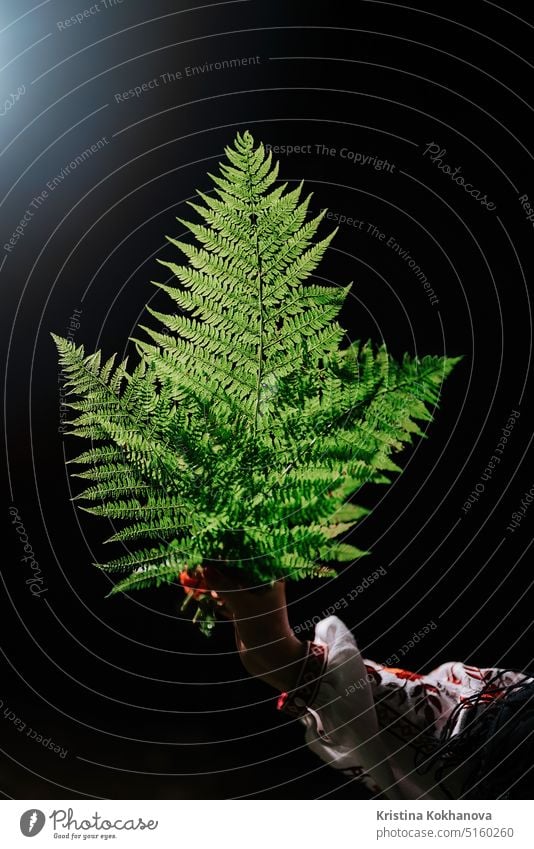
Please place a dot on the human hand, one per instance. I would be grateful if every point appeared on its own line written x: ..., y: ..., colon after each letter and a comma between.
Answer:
x: 267, y: 646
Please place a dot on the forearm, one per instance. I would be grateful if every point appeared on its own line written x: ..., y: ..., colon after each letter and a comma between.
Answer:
x: 278, y: 664
x: 265, y: 640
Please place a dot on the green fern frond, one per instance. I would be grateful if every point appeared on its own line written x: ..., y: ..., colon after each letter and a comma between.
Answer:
x: 147, y: 578
x: 246, y: 425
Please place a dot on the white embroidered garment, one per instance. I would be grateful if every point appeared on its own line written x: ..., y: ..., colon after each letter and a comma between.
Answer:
x: 379, y: 723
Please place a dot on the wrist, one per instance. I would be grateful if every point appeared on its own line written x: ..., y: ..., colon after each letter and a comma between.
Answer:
x: 286, y: 664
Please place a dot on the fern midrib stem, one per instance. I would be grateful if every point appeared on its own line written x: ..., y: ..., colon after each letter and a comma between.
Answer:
x: 259, y: 282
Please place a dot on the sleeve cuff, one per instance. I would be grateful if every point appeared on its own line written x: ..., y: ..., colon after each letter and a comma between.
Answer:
x: 295, y: 702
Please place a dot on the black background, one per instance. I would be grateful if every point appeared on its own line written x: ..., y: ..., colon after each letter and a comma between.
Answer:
x: 146, y: 706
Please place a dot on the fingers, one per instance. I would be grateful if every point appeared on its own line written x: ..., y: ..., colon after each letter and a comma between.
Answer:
x: 217, y: 580
x: 222, y: 588
x: 261, y: 615
x: 222, y: 608
x: 257, y: 599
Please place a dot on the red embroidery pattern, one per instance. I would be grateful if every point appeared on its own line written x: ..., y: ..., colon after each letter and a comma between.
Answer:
x: 402, y: 673
x: 428, y: 701
x: 373, y: 673
x: 491, y: 691
x: 474, y: 672
x: 452, y: 677
x: 427, y: 697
